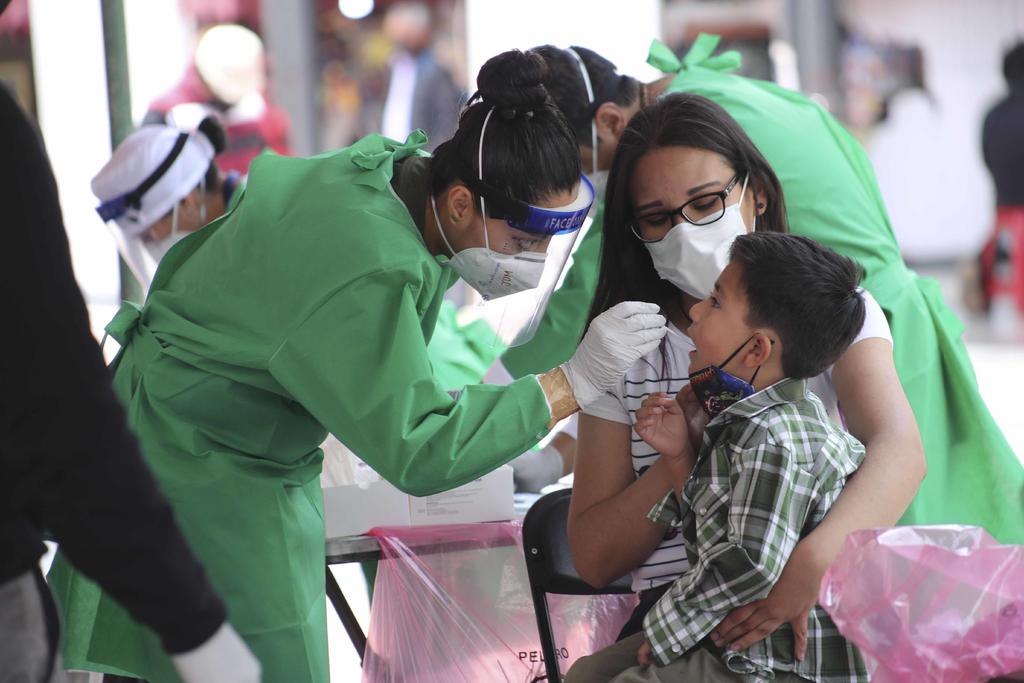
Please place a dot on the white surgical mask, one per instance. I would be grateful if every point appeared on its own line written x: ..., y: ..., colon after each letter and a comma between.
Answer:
x: 693, y: 256
x: 157, y: 249
x: 491, y: 273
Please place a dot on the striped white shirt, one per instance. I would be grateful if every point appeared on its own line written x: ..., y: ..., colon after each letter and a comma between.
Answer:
x: 667, y: 372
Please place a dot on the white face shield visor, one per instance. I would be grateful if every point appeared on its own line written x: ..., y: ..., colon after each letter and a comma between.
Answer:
x: 516, y: 315
x: 148, y: 176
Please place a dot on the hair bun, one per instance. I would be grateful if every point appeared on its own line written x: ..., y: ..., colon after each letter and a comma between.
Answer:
x: 513, y: 82
x: 214, y: 132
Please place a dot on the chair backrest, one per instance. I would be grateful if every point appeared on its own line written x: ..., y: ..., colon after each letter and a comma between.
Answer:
x: 546, y: 543
x: 550, y: 568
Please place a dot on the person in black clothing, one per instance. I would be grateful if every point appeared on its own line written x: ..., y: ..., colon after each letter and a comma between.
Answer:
x: 1002, y: 137
x: 68, y: 463
x: 1001, y: 262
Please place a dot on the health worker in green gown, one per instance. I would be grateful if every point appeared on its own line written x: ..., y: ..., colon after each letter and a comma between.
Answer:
x: 307, y: 309
x: 830, y: 195
x: 174, y: 172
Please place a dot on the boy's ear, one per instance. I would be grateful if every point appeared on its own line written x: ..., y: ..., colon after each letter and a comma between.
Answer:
x: 760, y: 350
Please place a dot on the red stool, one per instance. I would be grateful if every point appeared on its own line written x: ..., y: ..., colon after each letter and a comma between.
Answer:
x: 1002, y: 258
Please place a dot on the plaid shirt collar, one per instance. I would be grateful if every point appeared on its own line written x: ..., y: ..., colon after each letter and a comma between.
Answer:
x: 786, y: 390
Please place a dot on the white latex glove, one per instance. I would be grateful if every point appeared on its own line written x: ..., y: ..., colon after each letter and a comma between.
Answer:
x: 616, y: 339
x: 224, y: 658
x: 533, y: 470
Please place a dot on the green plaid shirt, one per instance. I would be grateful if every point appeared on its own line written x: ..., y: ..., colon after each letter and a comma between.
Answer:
x: 768, y: 470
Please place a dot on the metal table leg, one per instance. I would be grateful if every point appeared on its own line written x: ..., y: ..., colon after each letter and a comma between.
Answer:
x: 348, y: 619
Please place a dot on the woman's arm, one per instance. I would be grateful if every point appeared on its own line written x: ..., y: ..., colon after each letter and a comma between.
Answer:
x: 609, y: 532
x: 878, y: 414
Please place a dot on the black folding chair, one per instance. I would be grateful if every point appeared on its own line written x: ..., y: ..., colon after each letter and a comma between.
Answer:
x: 551, y: 570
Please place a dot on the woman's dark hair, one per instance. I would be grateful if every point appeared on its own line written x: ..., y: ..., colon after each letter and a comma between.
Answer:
x: 214, y: 132
x: 529, y: 153
x: 806, y: 293
x: 564, y: 82
x: 677, y: 120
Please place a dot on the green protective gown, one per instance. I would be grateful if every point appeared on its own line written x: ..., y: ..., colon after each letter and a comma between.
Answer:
x: 461, y: 354
x: 832, y: 196
x: 305, y: 309
x: 565, y: 317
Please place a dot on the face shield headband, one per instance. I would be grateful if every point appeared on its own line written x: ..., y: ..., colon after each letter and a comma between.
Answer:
x: 119, y: 206
x: 590, y: 109
x: 521, y: 215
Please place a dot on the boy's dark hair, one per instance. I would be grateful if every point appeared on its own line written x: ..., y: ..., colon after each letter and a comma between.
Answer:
x: 804, y: 291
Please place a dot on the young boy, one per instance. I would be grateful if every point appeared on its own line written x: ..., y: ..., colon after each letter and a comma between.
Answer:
x: 756, y: 469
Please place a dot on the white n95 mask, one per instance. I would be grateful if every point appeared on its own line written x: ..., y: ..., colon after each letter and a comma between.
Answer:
x: 491, y: 273
x: 693, y: 256
x: 495, y: 275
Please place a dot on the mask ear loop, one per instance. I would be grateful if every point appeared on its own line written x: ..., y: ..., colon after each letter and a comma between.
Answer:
x: 733, y: 355
x: 480, y: 176
x: 174, y: 219
x: 590, y: 98
x: 440, y: 228
x: 202, y: 201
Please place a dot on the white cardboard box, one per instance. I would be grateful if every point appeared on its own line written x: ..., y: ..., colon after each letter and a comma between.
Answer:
x: 351, y: 510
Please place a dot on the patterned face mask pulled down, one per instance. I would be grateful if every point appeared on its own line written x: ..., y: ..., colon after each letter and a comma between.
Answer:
x: 717, y: 389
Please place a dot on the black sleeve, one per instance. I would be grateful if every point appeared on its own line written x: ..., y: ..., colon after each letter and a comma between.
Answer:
x: 67, y: 459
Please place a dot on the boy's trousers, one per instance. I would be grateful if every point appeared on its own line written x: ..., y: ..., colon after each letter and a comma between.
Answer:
x: 617, y: 664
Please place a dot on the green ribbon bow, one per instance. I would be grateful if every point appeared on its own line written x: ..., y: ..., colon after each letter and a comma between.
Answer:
x: 376, y: 155
x: 122, y: 326
x: 663, y: 59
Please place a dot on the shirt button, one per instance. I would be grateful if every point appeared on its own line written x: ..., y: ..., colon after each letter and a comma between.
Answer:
x: 703, y: 511
x: 676, y: 648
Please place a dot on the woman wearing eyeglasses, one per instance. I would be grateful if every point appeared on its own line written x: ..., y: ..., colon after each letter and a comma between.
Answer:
x: 686, y: 180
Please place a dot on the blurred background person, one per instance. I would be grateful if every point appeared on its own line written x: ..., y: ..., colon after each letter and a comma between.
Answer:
x: 1002, y: 142
x: 229, y: 78
x: 161, y: 184
x: 421, y: 91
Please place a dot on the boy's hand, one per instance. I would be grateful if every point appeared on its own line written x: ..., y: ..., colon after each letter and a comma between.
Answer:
x: 643, y: 655
x: 696, y: 418
x: 660, y: 423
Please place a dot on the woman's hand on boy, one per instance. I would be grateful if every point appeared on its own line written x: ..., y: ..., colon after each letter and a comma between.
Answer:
x: 643, y: 655
x: 790, y: 601
x: 661, y: 424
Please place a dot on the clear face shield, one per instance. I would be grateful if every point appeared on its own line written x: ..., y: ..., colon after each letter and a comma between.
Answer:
x: 516, y: 287
x: 140, y: 252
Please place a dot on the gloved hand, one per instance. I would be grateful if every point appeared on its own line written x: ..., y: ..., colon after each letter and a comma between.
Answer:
x: 224, y: 658
x: 616, y: 339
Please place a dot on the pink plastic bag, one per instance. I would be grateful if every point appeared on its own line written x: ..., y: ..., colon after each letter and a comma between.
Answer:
x: 930, y: 603
x: 452, y: 603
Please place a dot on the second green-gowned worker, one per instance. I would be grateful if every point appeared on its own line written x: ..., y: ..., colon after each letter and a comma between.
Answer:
x: 307, y: 309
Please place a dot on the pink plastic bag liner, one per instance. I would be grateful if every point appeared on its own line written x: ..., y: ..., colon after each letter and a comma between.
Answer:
x: 452, y: 603
x: 930, y: 603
